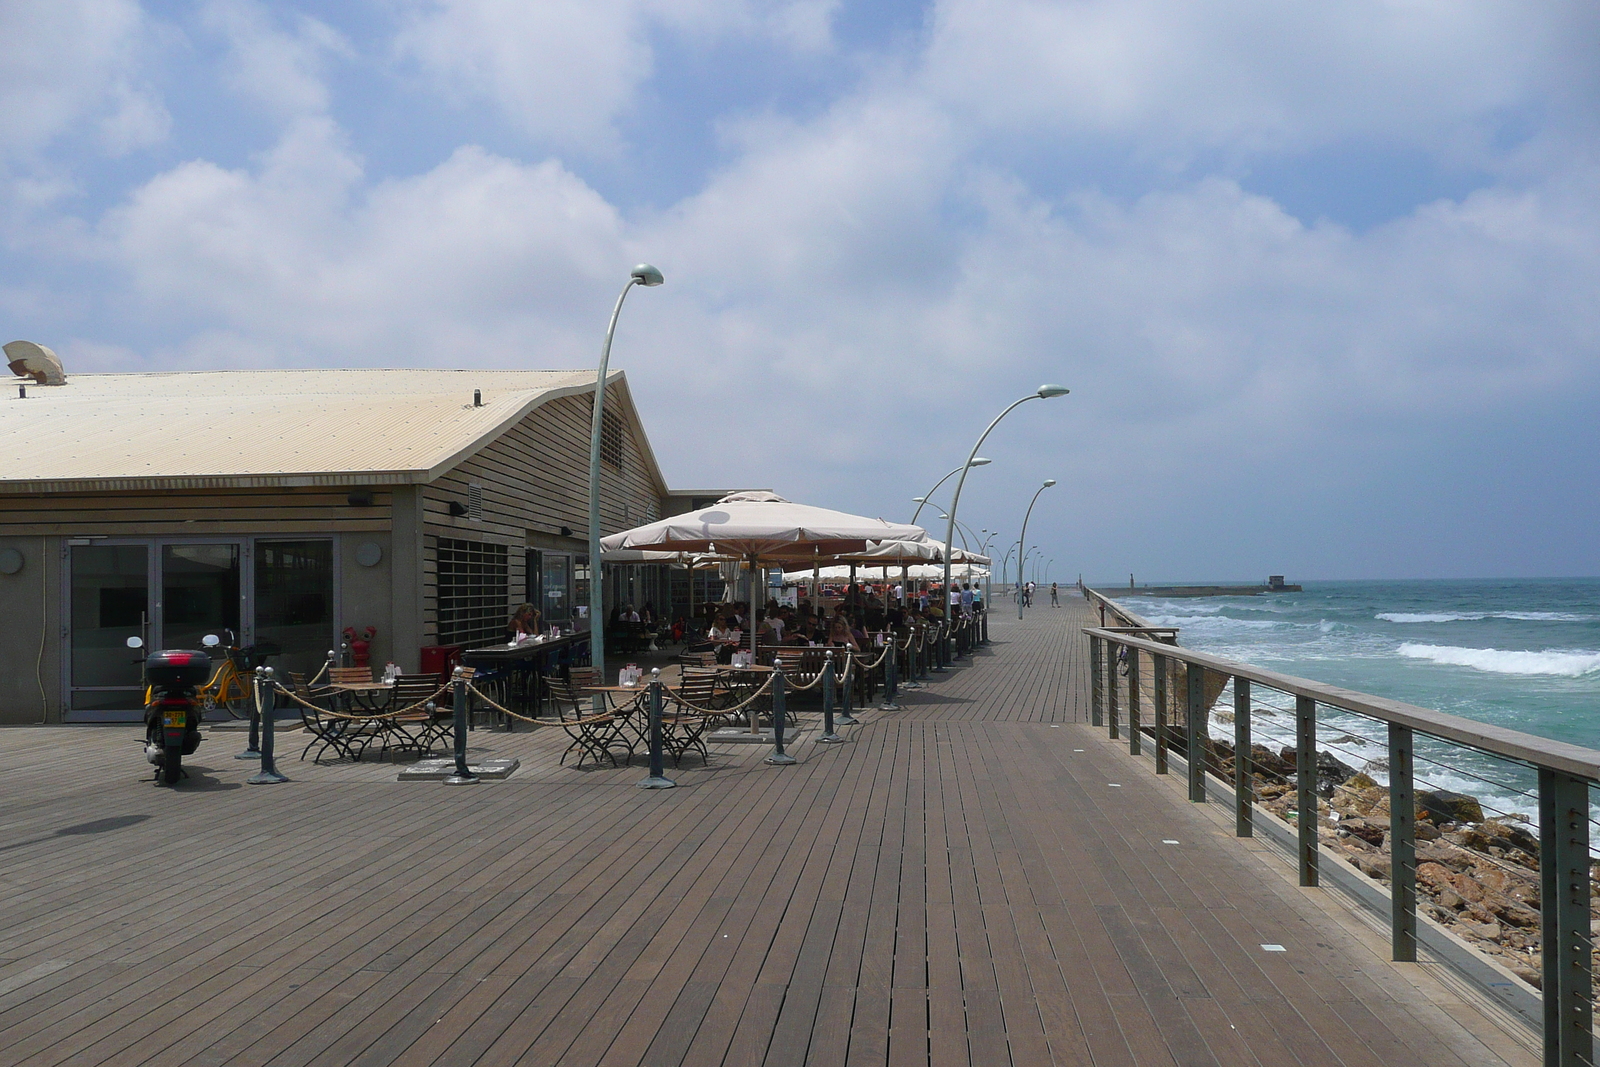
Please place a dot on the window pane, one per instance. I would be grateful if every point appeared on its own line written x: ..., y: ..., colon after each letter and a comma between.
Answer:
x: 556, y: 607
x: 110, y: 595
x: 294, y: 602
x: 199, y: 593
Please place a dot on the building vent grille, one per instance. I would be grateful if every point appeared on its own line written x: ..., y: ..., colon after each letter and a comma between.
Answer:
x: 473, y: 592
x: 474, y: 502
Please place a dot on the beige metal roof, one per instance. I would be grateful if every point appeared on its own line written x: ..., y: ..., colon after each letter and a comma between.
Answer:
x: 217, y: 429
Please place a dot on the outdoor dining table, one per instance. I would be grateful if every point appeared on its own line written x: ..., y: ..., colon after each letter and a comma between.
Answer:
x: 528, y: 660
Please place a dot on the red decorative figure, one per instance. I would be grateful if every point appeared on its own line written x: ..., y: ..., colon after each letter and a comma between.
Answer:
x: 360, y: 647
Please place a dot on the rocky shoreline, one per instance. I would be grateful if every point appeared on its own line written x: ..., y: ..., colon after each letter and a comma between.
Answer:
x: 1476, y: 876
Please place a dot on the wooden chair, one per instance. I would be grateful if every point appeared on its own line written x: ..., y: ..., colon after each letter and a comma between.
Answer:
x: 593, y: 735
x: 325, y: 730
x: 349, y: 675
x: 418, y: 727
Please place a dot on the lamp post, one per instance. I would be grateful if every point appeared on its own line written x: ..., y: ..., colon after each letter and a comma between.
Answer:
x: 1021, y: 556
x: 1044, y: 392
x: 643, y: 274
x: 975, y: 461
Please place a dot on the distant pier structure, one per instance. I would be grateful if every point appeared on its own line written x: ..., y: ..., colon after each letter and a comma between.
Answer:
x: 1274, y: 584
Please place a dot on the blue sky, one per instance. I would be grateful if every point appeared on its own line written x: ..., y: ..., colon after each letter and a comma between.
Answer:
x: 1322, y: 278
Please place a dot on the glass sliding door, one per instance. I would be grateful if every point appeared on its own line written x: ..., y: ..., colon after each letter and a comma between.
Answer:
x: 294, y: 602
x: 556, y: 600
x: 200, y: 586
x: 109, y: 603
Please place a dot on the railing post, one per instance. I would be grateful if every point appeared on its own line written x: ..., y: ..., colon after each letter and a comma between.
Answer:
x: 1158, y: 664
x: 1402, y: 846
x: 1096, y: 684
x: 658, y: 766
x: 779, y: 757
x: 1196, y: 718
x: 1111, y: 690
x: 1305, y: 734
x: 1244, y: 779
x: 1567, y: 942
x: 267, y: 687
x: 1133, y: 701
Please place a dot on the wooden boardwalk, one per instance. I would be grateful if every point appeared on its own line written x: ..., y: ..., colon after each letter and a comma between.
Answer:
x: 980, y: 878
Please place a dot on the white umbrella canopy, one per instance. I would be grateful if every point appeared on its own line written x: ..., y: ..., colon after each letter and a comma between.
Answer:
x: 763, y: 526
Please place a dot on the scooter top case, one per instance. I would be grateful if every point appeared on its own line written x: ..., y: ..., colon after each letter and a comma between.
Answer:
x: 177, y: 668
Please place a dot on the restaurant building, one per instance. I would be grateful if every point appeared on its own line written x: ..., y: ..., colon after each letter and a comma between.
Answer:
x: 287, y: 506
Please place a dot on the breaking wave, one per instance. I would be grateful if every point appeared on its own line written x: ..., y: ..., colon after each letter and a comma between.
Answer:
x: 1474, y: 616
x: 1572, y: 663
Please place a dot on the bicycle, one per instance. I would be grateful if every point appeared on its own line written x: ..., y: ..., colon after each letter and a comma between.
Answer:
x: 231, y: 687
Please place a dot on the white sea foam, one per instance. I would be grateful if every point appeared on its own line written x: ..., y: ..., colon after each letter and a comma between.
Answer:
x: 1564, y: 663
x: 1474, y: 616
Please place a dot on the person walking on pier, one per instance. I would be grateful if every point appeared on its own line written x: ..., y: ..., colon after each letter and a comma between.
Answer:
x: 1055, y: 596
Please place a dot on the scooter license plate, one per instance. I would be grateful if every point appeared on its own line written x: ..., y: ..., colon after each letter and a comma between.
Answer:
x: 173, y: 717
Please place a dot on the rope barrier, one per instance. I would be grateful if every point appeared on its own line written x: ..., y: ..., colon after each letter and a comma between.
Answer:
x: 372, y: 716
x: 585, y: 721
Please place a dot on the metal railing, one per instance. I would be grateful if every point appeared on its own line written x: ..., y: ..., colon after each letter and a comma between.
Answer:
x: 1552, y: 779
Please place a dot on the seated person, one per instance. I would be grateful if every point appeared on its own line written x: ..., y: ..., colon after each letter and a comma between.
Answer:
x: 839, y: 634
x: 524, y: 623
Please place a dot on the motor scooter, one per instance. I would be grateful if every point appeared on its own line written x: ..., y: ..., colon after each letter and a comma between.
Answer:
x: 172, y: 713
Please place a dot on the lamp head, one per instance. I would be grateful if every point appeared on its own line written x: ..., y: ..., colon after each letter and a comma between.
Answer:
x: 919, y: 500
x: 1046, y: 391
x: 645, y: 274
x: 980, y: 461
x: 1048, y: 482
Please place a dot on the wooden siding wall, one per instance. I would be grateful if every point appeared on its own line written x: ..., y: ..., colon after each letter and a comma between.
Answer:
x: 535, y: 478
x: 181, y: 513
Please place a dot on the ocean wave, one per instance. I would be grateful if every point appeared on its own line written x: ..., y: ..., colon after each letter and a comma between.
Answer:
x: 1564, y: 663
x: 1213, y: 622
x: 1475, y: 616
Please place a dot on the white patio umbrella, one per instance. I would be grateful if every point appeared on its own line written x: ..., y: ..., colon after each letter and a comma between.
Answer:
x: 763, y: 527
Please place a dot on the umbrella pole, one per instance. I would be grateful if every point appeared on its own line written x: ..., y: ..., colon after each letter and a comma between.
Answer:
x: 755, y: 719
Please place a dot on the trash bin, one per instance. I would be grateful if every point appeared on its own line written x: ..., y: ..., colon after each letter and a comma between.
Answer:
x: 440, y: 660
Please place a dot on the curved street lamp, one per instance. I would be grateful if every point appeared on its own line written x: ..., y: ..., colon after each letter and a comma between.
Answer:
x: 643, y: 274
x: 975, y: 461
x: 1048, y: 482
x: 1044, y: 392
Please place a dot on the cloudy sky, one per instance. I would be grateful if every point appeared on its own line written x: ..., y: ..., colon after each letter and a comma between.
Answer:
x: 1322, y: 278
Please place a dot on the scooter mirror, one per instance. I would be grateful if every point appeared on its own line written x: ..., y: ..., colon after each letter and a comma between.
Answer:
x: 211, y: 640
x: 135, y: 642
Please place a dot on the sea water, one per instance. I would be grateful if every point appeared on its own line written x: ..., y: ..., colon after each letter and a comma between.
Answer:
x: 1523, y: 654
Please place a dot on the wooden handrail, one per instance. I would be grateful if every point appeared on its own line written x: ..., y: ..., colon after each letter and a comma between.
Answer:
x: 1512, y: 744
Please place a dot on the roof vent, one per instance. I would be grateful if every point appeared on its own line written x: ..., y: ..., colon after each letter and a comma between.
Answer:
x: 29, y: 360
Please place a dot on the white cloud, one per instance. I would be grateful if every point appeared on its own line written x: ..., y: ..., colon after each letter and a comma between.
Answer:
x: 302, y: 260
x: 565, y: 71
x: 71, y: 61
x: 1239, y: 76
x: 281, y: 70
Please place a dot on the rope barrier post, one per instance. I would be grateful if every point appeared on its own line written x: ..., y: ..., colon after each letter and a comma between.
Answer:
x: 458, y: 702
x: 913, y: 644
x: 779, y: 757
x: 658, y: 770
x: 266, y: 689
x: 828, y: 736
x: 252, y: 748
x: 846, y: 699
x: 936, y: 654
x: 891, y: 673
